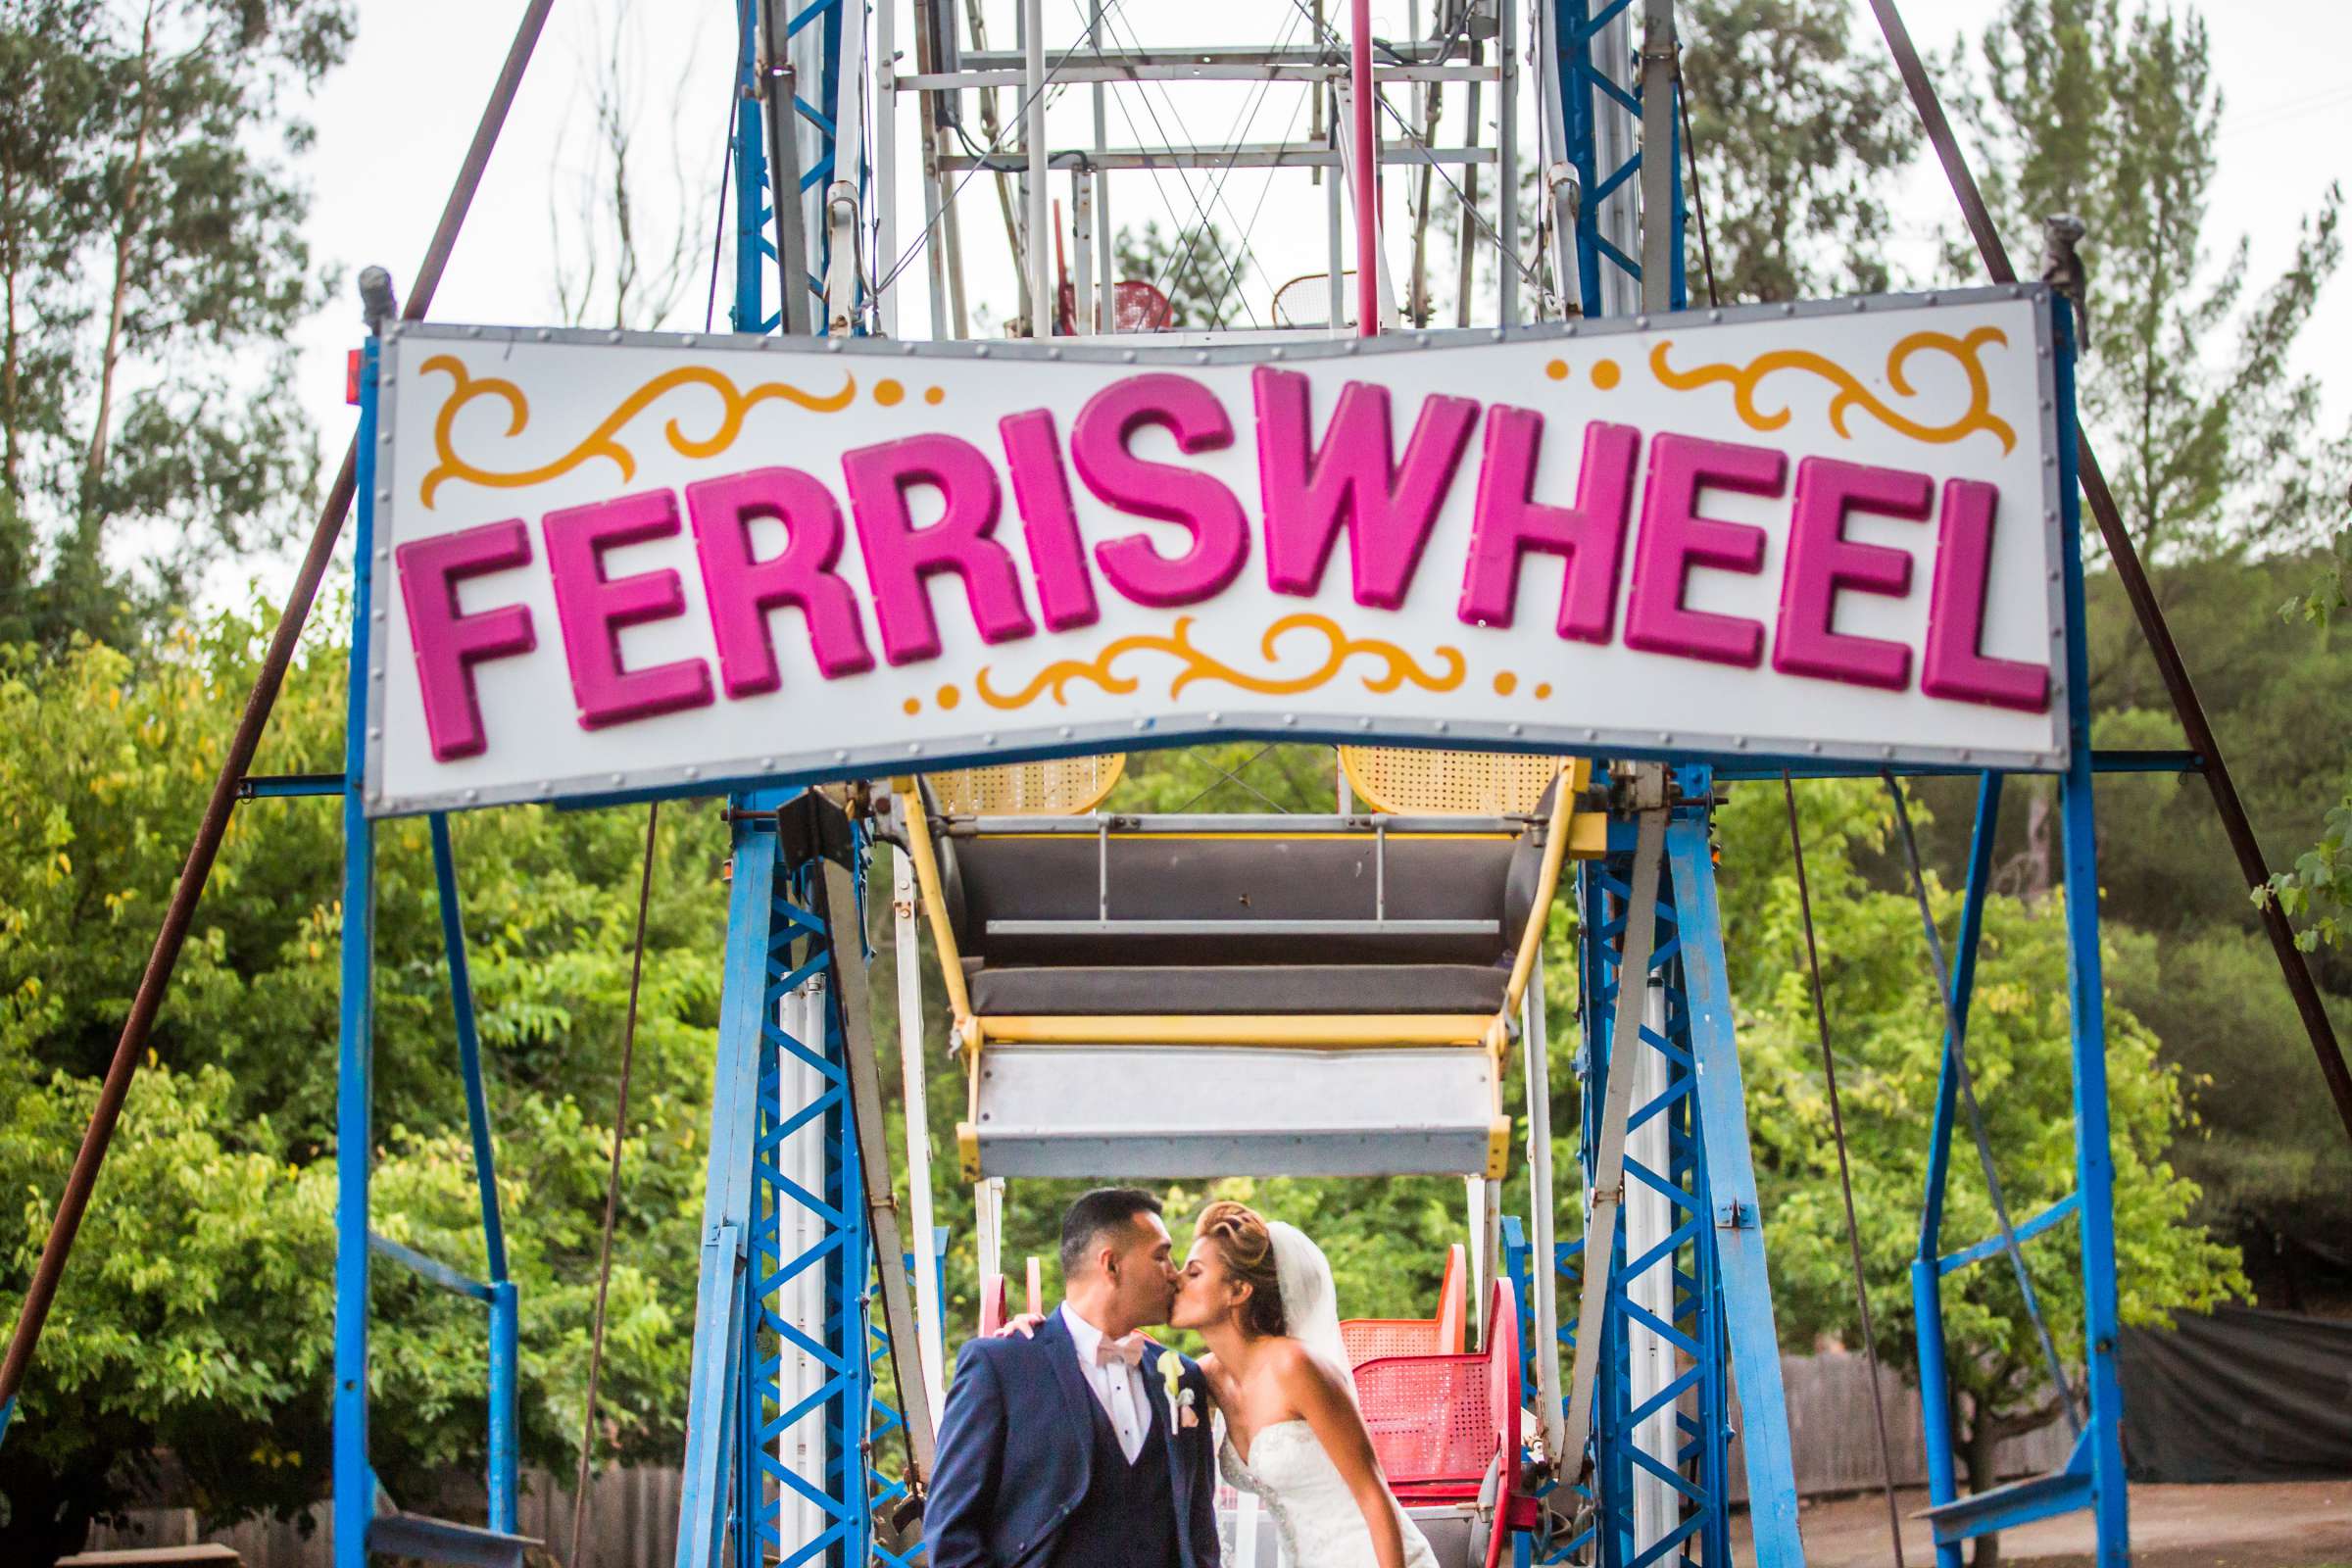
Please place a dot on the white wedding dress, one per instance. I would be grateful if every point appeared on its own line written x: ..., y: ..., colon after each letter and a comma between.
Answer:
x: 1315, y: 1517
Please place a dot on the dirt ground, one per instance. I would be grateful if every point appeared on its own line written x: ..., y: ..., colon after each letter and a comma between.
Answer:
x: 2296, y: 1525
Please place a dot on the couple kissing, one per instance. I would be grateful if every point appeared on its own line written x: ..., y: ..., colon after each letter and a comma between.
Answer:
x: 1078, y: 1443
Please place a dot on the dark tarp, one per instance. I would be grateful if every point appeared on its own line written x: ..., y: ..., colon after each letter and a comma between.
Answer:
x: 2239, y: 1395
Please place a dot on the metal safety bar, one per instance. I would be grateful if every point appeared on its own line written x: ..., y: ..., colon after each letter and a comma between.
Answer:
x: 1271, y: 928
x: 1993, y: 1246
x: 1121, y: 824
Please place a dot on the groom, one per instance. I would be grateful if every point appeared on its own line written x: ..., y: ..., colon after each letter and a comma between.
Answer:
x: 1060, y: 1450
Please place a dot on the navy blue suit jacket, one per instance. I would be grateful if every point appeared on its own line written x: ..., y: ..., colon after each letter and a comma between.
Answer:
x: 1016, y: 1452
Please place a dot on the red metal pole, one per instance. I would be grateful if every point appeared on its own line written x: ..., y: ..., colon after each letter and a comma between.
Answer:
x: 1367, y: 172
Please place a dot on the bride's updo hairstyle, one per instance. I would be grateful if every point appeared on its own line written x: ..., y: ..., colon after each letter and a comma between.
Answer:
x: 1245, y: 1248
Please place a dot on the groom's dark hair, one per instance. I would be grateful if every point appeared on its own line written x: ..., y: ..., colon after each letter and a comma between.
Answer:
x: 1105, y: 1208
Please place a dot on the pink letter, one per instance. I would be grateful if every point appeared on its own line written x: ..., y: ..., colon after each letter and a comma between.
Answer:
x: 1953, y: 667
x: 899, y: 556
x: 741, y: 591
x: 593, y: 609
x: 1348, y: 482
x: 1509, y: 522
x: 1675, y: 538
x: 1220, y: 534
x: 1821, y: 561
x: 448, y: 642
x: 1065, y: 592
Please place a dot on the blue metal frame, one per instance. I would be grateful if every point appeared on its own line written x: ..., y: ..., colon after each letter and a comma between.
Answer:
x: 1720, y: 1319
x: 735, y: 1486
x: 2094, y: 1160
x: 353, y: 1478
x: 2094, y: 1476
x: 755, y: 214
x: 1591, y: 94
x: 503, y: 1453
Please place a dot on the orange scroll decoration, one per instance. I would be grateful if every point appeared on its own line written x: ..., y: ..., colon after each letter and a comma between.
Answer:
x: 603, y: 441
x: 1397, y: 666
x: 1852, y: 393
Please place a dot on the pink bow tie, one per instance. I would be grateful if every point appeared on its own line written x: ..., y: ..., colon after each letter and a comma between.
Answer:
x: 1129, y: 1350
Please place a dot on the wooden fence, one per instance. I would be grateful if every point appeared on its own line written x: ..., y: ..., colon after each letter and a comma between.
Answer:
x: 633, y: 1514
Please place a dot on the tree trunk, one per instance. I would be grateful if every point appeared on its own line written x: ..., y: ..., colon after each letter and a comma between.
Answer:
x: 1983, y: 1476
x: 126, y: 236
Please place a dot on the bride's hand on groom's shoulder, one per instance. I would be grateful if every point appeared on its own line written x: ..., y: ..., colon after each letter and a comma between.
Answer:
x: 1024, y: 1325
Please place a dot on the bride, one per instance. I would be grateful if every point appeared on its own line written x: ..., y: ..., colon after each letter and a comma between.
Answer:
x: 1262, y: 1296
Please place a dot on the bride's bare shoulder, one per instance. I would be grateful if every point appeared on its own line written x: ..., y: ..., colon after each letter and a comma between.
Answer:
x: 1297, y: 1366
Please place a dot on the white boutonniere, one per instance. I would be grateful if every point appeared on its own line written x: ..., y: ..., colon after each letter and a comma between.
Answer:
x: 1180, y: 1398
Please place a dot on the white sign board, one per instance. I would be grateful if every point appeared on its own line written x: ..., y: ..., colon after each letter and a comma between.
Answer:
x: 610, y: 563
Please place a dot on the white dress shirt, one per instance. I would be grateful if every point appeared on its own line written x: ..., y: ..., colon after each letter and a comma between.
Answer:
x: 1118, y: 1387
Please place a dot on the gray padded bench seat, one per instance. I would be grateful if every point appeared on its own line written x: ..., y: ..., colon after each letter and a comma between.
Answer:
x: 1129, y: 990
x: 1244, y: 901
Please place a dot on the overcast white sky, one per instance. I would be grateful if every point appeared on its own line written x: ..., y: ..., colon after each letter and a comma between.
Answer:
x: 394, y: 121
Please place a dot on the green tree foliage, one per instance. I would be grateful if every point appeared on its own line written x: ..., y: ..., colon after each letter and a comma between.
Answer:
x: 2210, y: 437
x: 2212, y: 441
x: 152, y: 269
x: 2316, y: 890
x: 1797, y: 135
x: 196, y: 1316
